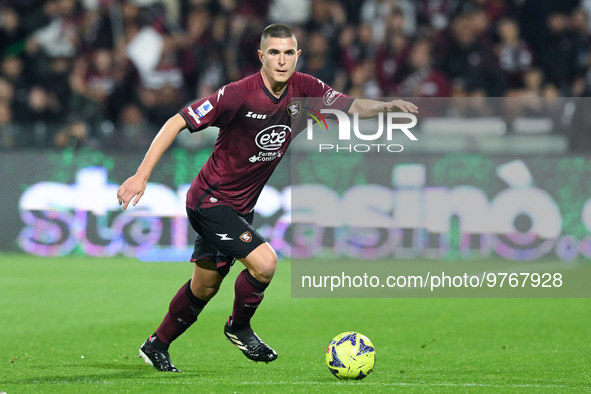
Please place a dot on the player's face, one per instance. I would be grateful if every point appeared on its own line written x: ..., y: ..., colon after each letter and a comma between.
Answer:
x: 279, y: 57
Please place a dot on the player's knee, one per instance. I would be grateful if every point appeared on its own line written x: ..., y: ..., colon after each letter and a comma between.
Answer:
x: 206, y: 293
x: 265, y: 267
x: 261, y: 263
x: 265, y: 273
x: 204, y: 287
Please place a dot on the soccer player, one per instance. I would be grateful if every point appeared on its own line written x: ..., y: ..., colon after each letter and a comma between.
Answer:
x: 253, y: 116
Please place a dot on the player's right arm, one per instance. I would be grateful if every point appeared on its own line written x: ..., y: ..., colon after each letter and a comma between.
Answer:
x: 135, y: 185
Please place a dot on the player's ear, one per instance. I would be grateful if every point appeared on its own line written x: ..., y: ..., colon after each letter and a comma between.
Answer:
x: 260, y: 55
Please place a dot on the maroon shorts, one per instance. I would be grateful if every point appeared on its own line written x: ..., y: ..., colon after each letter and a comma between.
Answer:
x: 223, y: 235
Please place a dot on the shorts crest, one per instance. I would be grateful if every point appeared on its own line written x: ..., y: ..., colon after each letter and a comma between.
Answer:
x: 246, y: 236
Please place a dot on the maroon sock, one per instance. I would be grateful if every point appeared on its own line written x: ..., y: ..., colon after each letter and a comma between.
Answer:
x: 249, y: 293
x: 182, y: 313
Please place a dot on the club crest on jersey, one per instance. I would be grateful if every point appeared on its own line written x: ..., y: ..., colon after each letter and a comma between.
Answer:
x: 273, y: 137
x: 294, y: 109
x: 246, y: 236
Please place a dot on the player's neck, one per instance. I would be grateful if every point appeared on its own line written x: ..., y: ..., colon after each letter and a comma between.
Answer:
x: 276, y: 89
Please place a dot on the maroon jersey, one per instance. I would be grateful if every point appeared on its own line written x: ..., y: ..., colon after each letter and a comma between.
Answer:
x: 255, y: 130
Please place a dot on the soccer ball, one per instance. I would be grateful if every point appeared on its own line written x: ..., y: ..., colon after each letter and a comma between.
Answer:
x: 350, y: 355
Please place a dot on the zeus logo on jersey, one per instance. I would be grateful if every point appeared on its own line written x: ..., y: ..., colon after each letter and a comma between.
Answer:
x: 251, y: 114
x: 273, y: 137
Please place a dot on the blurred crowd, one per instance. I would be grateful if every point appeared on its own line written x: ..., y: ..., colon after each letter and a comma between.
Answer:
x: 109, y: 73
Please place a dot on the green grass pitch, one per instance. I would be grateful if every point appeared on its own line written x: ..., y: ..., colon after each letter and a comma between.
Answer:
x: 75, y: 324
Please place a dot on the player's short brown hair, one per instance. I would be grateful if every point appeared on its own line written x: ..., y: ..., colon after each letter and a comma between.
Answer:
x: 278, y: 30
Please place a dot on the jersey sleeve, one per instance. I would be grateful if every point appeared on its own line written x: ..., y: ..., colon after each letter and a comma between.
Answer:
x: 215, y: 110
x: 320, y: 95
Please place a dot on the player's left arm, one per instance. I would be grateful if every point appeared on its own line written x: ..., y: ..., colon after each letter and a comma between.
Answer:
x: 371, y: 108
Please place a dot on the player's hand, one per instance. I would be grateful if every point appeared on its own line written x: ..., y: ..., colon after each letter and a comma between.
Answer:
x: 134, y: 186
x: 402, y: 105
